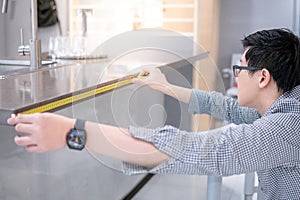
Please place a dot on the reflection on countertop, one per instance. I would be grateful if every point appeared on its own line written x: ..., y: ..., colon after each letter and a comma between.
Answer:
x: 21, y: 64
x: 31, y: 87
x: 66, y: 79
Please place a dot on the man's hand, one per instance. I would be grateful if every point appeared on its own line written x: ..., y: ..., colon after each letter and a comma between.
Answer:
x: 153, y: 78
x: 157, y: 80
x: 43, y: 131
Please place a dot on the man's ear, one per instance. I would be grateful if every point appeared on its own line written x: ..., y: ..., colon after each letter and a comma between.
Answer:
x: 265, y: 78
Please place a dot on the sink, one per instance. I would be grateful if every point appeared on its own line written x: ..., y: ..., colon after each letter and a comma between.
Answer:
x: 23, y: 62
x: 13, y: 67
x: 6, y: 70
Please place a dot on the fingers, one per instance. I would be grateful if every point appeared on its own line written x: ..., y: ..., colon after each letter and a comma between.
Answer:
x: 21, y: 118
x: 41, y: 132
x: 32, y: 148
x: 145, y: 72
x: 11, y: 120
x: 24, y: 128
x: 23, y: 123
x: 28, y: 143
x: 142, y: 76
x: 23, y: 140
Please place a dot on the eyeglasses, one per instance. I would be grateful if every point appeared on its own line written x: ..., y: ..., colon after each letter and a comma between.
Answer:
x: 237, y: 69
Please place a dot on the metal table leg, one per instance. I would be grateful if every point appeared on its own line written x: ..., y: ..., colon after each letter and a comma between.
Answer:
x: 214, y: 187
x: 249, y: 186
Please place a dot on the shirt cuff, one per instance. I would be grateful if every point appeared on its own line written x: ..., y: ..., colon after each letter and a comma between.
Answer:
x: 163, y: 139
x: 133, y: 169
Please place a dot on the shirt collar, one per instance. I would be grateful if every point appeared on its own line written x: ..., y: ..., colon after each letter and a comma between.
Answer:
x: 289, y: 97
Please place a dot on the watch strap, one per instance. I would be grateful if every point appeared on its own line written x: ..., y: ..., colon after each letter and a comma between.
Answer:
x: 79, y: 124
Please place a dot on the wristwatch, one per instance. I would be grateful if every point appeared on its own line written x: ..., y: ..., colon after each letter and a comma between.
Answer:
x: 76, y: 138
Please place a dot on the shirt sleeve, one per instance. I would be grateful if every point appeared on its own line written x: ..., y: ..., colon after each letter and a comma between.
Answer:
x: 221, y: 152
x: 221, y: 107
x: 190, y: 153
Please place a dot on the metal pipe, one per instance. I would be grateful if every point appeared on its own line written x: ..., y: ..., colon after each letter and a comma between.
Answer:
x: 4, y: 6
x: 82, y: 18
x: 34, y: 22
x: 23, y: 50
x: 35, y: 43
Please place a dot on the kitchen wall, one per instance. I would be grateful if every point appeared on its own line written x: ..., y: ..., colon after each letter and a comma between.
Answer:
x: 46, y: 32
x: 2, y: 36
x: 236, y: 18
x: 206, y: 76
x: 107, y: 19
x: 209, y: 22
x: 17, y: 17
x: 242, y: 17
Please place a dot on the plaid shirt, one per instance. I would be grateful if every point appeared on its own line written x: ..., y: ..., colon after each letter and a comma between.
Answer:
x: 268, y: 144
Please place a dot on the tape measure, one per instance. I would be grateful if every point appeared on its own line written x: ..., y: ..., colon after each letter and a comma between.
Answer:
x: 87, y: 93
x: 78, y: 96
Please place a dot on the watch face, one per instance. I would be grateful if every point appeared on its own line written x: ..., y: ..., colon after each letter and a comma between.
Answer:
x: 76, y: 139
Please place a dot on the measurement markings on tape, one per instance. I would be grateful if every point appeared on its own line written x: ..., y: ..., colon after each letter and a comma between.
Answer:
x: 78, y: 97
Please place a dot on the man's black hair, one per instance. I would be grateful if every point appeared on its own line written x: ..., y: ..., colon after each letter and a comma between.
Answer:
x: 278, y: 51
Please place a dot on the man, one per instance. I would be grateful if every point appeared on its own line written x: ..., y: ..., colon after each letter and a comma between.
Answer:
x: 266, y: 138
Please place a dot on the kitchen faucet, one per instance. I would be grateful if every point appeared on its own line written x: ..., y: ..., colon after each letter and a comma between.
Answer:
x: 82, y: 18
x: 34, y: 49
x: 4, y: 6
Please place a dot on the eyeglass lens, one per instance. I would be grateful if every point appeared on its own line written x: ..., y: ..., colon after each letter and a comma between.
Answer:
x: 236, y: 72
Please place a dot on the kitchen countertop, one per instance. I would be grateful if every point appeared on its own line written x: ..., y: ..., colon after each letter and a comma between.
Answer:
x: 33, y: 89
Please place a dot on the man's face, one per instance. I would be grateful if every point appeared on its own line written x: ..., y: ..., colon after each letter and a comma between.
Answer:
x: 247, y: 87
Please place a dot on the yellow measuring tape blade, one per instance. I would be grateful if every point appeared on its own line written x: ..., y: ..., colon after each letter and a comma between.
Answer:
x: 65, y: 101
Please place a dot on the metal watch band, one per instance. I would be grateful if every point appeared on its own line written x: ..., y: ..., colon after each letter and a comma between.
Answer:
x: 79, y: 124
